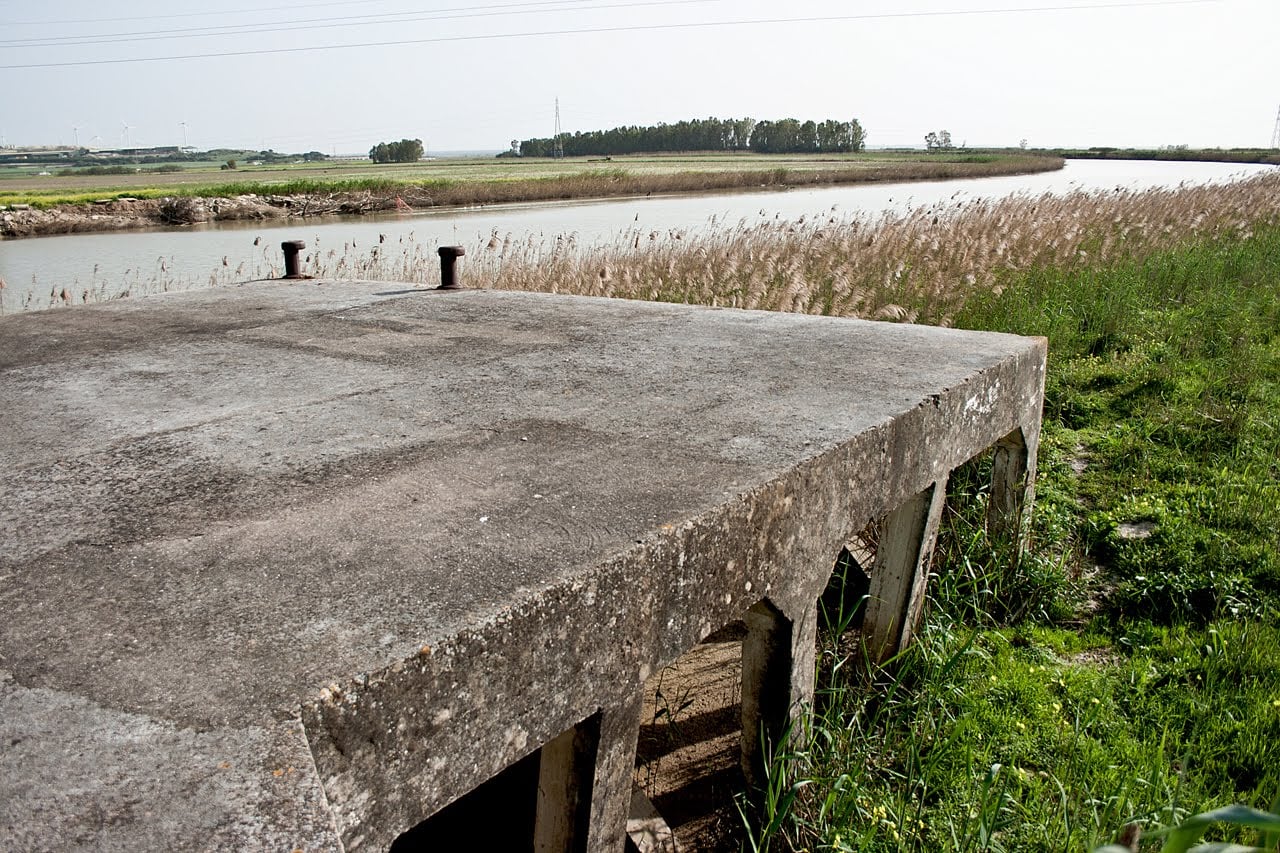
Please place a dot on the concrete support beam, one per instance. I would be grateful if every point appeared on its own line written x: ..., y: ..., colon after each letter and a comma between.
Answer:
x: 907, y: 537
x: 1012, y: 488
x: 566, y: 771
x: 647, y: 830
x: 768, y: 669
x: 611, y: 783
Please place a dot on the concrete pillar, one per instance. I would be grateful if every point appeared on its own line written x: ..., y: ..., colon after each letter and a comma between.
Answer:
x: 585, y: 781
x: 907, y: 537
x: 777, y: 681
x: 566, y: 769
x: 611, y: 783
x: 647, y: 830
x: 1012, y: 488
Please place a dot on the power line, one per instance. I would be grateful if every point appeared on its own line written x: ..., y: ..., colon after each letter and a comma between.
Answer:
x: 327, y: 23
x: 614, y: 29
x: 260, y: 9
x: 309, y: 24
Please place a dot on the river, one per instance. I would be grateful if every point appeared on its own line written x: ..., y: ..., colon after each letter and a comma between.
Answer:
x: 36, y: 271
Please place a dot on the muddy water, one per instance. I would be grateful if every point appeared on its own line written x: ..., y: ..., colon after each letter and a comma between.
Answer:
x: 38, y: 270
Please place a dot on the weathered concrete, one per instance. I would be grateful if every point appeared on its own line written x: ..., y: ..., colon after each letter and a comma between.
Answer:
x: 647, y: 830
x: 295, y: 566
x: 907, y: 535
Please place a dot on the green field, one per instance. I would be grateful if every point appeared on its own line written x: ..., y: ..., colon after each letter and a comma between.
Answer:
x: 500, y: 177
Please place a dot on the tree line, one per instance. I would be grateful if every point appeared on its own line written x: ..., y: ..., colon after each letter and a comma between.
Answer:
x: 785, y: 136
x: 404, y: 151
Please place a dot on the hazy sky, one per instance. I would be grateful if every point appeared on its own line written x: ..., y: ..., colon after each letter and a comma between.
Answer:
x: 474, y: 74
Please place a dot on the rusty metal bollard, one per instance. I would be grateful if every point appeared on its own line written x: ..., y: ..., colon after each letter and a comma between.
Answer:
x: 448, y: 257
x: 291, y: 250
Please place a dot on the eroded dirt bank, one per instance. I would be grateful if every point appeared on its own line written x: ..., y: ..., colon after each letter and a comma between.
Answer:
x: 121, y: 214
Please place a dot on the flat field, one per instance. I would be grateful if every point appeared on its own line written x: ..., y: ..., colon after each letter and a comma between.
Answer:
x: 24, y: 184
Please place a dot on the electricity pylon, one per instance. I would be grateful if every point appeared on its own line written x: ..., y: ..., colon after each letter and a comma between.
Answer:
x: 557, y: 144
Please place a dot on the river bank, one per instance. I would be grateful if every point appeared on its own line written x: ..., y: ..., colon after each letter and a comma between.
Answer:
x: 247, y: 200
x: 1176, y: 154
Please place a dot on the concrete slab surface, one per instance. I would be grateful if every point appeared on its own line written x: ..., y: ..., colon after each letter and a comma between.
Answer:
x: 291, y: 566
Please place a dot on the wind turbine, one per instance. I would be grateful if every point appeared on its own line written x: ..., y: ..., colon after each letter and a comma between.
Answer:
x: 75, y: 134
x: 184, y: 133
x: 124, y: 134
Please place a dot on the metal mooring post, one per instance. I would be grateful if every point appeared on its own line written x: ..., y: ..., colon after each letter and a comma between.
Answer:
x: 291, y: 250
x: 448, y: 258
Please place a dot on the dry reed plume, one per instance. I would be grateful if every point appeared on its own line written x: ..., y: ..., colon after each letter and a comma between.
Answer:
x: 913, y: 266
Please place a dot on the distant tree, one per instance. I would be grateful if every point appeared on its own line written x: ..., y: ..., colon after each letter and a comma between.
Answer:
x: 762, y: 137
x: 857, y: 136
x: 839, y: 136
x: 404, y: 151
x: 807, y: 139
x: 314, y: 156
x: 786, y: 133
x: 535, y: 148
x: 940, y: 141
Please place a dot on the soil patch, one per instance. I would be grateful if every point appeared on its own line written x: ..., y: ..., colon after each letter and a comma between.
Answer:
x: 687, y: 758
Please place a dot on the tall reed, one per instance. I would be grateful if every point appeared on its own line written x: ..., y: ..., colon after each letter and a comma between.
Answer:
x: 920, y: 265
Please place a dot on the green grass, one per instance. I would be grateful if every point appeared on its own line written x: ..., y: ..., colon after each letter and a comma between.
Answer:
x: 1126, y: 668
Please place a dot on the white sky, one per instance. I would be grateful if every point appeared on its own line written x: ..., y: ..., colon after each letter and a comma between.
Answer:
x: 474, y: 74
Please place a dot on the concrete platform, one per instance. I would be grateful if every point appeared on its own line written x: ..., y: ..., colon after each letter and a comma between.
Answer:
x: 294, y: 566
